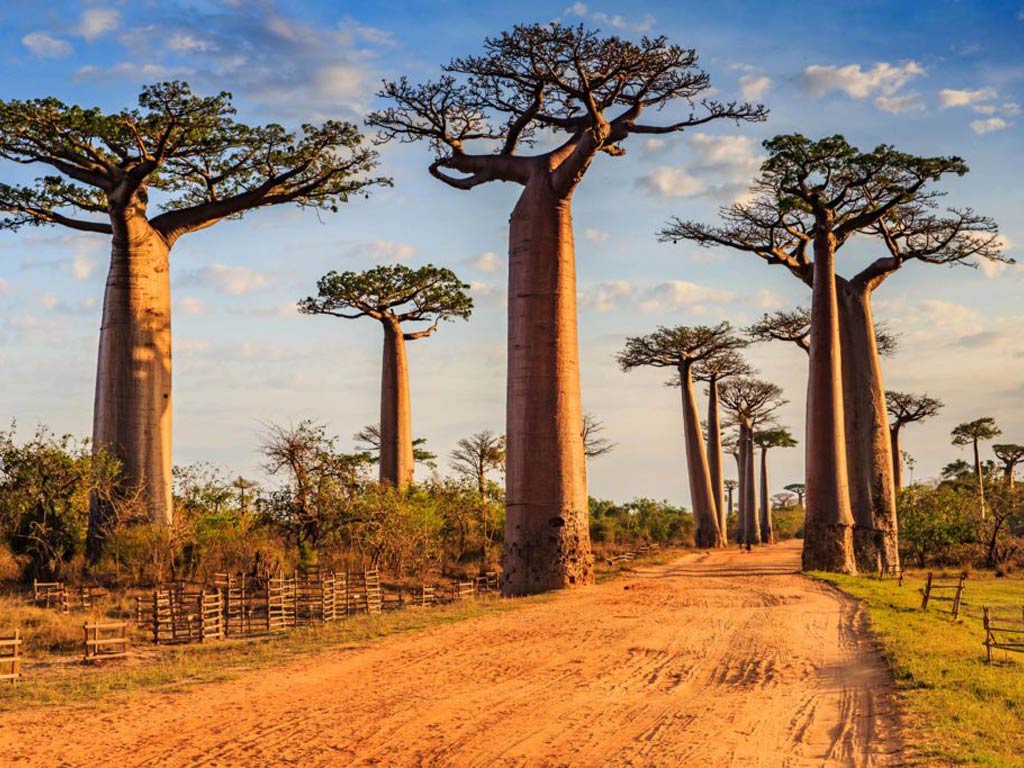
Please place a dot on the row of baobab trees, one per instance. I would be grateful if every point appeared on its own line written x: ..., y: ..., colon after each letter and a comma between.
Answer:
x: 535, y: 108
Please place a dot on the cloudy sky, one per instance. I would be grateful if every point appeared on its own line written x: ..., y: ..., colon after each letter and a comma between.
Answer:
x: 930, y: 76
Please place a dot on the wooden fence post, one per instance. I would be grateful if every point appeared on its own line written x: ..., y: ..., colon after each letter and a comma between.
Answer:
x: 927, y: 592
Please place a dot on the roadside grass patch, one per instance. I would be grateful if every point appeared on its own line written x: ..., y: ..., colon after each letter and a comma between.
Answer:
x: 959, y: 709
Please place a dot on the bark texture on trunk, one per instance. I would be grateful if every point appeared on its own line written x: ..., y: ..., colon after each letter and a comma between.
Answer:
x: 828, y: 531
x: 702, y: 496
x: 897, y: 457
x: 396, y: 458
x: 751, y: 524
x: 767, y: 529
x: 547, y: 538
x: 132, y: 410
x: 868, y: 443
x: 714, y: 453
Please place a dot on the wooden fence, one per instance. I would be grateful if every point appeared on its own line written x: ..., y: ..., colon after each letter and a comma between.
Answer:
x: 50, y: 594
x: 10, y: 657
x: 106, y: 640
x: 1001, y: 635
x: 182, y: 615
x: 933, y: 585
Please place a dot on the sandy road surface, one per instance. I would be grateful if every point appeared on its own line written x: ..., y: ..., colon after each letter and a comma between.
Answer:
x: 724, y: 659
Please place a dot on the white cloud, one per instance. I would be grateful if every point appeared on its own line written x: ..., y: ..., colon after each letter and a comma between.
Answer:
x: 487, y: 262
x: 614, y: 20
x: 897, y: 104
x: 949, y: 97
x: 1011, y: 108
x: 190, y: 305
x: 96, y: 22
x: 768, y: 299
x: 720, y: 166
x: 987, y: 126
x: 5, y: 285
x: 606, y: 297
x: 670, y: 182
x: 46, y: 46
x: 383, y: 250
x: 231, y: 280
x: 343, y: 81
x: 674, y: 295
x: 184, y: 42
x: 82, y: 266
x: 860, y: 83
x: 130, y: 70
x: 596, y: 235
x: 754, y: 87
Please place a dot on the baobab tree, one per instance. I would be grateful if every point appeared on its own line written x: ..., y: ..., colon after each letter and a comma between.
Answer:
x: 972, y: 433
x: 713, y: 371
x: 394, y: 295
x: 794, y: 326
x: 473, y: 458
x: 809, y: 200
x: 368, y: 441
x: 731, y: 446
x: 906, y: 408
x: 730, y: 486
x: 207, y: 167
x: 592, y: 93
x: 1011, y: 454
x: 681, y: 348
x: 751, y: 403
x: 765, y: 440
x: 593, y: 444
x: 798, y: 489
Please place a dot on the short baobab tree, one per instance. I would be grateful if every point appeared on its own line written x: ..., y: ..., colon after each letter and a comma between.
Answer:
x: 751, y: 403
x: 783, y: 500
x: 473, y: 458
x: 394, y: 295
x: 810, y: 199
x: 972, y: 433
x: 681, y: 348
x: 594, y: 444
x: 1010, y: 454
x: 778, y: 437
x: 592, y: 93
x: 730, y: 486
x: 712, y: 371
x: 798, y: 489
x: 906, y: 408
x: 207, y: 167
x: 368, y: 442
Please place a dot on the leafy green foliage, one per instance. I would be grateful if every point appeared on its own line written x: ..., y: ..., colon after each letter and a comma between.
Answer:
x: 641, y: 520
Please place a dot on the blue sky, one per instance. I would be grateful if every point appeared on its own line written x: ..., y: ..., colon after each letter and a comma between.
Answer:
x: 935, y: 77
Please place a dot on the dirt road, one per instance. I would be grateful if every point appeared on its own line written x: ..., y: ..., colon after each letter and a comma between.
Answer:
x: 723, y: 659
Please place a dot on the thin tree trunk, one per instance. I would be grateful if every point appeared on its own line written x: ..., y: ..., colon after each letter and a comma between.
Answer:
x: 132, y: 410
x: 751, y: 526
x: 767, y: 529
x: 714, y: 454
x: 741, y: 490
x: 897, y: 457
x: 702, y: 497
x: 396, y: 457
x: 828, y: 532
x: 547, y: 540
x: 981, y: 479
x: 868, y: 443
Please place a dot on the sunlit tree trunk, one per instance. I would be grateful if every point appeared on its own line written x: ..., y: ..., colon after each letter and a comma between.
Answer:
x: 828, y: 531
x: 767, y: 529
x: 868, y: 443
x: 751, y: 524
x: 705, y: 514
x: 715, y: 458
x: 396, y: 456
x: 547, y: 541
x: 897, y: 457
x: 741, y: 489
x: 132, y: 410
x: 981, y: 478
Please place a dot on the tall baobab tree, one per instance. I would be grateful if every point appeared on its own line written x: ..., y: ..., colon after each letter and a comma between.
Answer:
x: 1011, y: 454
x: 593, y: 93
x: 972, y: 433
x: 906, y: 408
x: 765, y: 440
x: 751, y: 402
x: 713, y: 371
x: 393, y: 295
x: 207, y: 167
x: 473, y: 458
x: 798, y: 489
x: 681, y: 348
x: 809, y: 200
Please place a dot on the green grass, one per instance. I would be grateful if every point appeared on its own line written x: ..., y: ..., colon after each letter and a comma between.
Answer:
x: 960, y: 709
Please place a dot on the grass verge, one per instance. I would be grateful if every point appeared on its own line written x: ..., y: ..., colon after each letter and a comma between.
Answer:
x: 960, y: 710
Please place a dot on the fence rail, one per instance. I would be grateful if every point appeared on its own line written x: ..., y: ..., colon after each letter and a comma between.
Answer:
x: 106, y: 640
x: 1000, y: 635
x: 932, y: 585
x: 10, y: 657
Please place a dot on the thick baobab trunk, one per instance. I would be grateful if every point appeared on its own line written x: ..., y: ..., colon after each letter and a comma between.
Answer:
x: 396, y: 461
x: 828, y: 531
x: 132, y: 410
x: 751, y: 524
x: 705, y: 514
x: 897, y: 457
x: 741, y: 490
x: 715, y: 458
x: 767, y: 529
x: 868, y: 444
x: 547, y: 539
